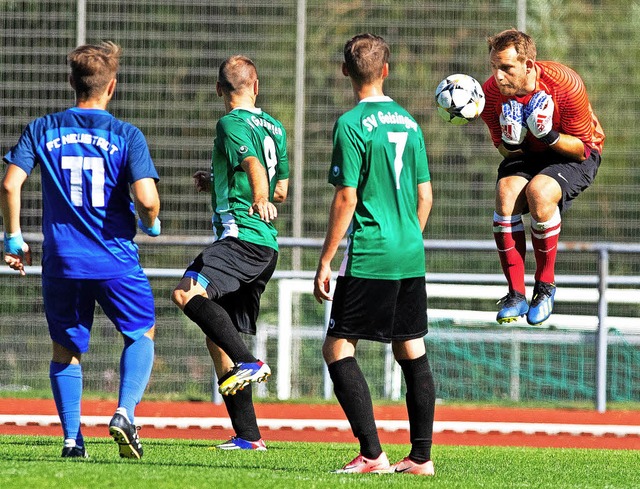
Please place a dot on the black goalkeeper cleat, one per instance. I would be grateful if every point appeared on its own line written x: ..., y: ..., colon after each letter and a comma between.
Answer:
x: 125, y: 435
x: 74, y: 452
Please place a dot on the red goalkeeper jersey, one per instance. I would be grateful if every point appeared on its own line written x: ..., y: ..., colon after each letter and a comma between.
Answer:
x: 572, y: 114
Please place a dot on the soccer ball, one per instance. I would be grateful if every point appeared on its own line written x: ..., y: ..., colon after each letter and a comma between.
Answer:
x: 460, y: 99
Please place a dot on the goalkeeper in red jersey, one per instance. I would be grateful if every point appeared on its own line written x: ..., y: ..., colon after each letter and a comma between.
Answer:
x: 542, y: 123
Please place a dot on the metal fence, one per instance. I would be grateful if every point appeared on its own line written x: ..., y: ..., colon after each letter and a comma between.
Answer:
x: 172, y: 50
x: 581, y: 353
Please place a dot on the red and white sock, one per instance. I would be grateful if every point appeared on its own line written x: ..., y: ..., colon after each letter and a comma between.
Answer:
x: 508, y: 232
x: 544, y: 237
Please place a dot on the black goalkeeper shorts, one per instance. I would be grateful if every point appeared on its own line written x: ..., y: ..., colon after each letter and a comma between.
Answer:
x: 574, y: 177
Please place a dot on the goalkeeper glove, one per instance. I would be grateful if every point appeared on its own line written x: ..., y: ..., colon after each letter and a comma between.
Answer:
x: 15, y: 245
x: 153, y: 231
x: 512, y: 124
x: 539, y: 116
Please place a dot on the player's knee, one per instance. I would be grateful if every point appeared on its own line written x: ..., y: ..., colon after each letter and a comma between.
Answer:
x: 62, y: 354
x: 186, y: 289
x: 151, y: 333
x: 408, y: 349
x: 334, y: 349
x: 545, y: 190
x: 543, y: 202
x: 180, y: 297
x: 327, y: 354
x: 509, y: 195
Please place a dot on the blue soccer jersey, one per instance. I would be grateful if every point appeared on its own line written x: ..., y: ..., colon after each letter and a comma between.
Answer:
x: 88, y: 160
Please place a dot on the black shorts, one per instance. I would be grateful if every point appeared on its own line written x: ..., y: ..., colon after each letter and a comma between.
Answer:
x: 235, y: 274
x: 379, y: 310
x: 573, y: 177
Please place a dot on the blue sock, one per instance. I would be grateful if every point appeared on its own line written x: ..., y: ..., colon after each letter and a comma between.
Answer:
x: 135, y: 369
x: 66, y: 385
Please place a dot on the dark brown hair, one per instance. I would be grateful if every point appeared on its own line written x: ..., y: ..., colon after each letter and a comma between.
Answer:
x: 524, y: 44
x: 237, y: 73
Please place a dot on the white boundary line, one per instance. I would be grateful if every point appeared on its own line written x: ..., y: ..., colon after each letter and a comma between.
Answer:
x: 343, y: 425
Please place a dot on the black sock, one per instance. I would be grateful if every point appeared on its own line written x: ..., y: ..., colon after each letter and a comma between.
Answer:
x: 242, y: 414
x: 421, y: 401
x: 353, y: 394
x: 215, y: 322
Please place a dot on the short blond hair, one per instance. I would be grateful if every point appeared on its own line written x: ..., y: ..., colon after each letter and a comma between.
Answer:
x: 365, y: 56
x: 93, y: 66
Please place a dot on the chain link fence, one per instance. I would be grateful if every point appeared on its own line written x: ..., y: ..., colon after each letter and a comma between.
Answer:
x: 172, y: 50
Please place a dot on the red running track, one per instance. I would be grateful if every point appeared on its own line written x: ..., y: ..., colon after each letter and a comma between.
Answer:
x: 332, y: 411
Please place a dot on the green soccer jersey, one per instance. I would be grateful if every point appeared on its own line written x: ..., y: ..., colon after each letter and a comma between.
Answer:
x: 378, y: 148
x: 240, y: 134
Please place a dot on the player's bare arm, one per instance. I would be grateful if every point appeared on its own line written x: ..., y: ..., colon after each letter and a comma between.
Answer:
x: 570, y: 146
x: 506, y: 153
x: 282, y: 189
x: 10, y: 194
x: 425, y: 202
x: 567, y: 145
x: 259, y: 184
x: 202, y: 181
x: 340, y: 215
x: 146, y: 199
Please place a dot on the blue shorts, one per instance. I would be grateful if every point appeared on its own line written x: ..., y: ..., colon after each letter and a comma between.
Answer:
x: 69, y: 306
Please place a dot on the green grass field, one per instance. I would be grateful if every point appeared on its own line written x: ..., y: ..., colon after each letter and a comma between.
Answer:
x: 34, y: 462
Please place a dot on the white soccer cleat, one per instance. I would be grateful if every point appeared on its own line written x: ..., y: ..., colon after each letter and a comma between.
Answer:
x: 363, y: 465
x: 408, y: 466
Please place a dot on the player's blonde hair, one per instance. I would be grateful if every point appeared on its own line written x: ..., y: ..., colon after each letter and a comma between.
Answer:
x: 365, y: 56
x: 523, y: 43
x: 237, y: 73
x: 93, y: 66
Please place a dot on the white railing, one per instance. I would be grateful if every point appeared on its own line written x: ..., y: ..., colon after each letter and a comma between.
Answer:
x: 468, y: 286
x: 572, y: 288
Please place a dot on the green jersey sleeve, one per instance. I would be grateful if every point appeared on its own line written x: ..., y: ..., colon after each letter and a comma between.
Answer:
x: 234, y: 136
x: 347, y: 158
x: 282, y: 172
x: 422, y: 163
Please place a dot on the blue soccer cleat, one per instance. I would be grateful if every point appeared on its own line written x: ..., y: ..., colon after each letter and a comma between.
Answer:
x: 514, y: 305
x: 541, y: 303
x: 241, y: 375
x: 236, y: 443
